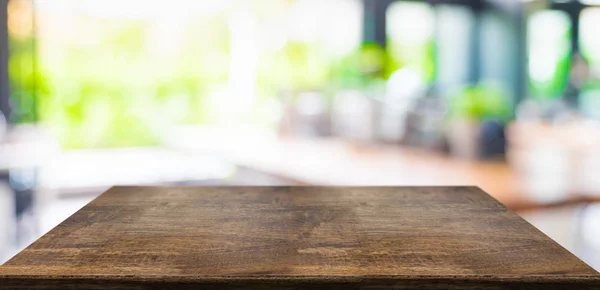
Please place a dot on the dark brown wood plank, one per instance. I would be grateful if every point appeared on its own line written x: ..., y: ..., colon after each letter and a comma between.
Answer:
x: 294, y: 237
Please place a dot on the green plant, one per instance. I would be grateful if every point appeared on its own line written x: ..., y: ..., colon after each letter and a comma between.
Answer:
x: 479, y: 102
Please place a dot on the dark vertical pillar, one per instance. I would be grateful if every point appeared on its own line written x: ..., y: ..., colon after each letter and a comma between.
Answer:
x: 4, y: 83
x: 374, y: 28
x: 574, y: 14
x: 573, y: 9
x: 475, y: 46
x: 521, y: 69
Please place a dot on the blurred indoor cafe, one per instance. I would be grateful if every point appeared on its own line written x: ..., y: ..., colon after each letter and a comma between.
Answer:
x: 499, y: 94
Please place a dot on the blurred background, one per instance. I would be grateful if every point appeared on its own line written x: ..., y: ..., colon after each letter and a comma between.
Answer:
x: 501, y: 94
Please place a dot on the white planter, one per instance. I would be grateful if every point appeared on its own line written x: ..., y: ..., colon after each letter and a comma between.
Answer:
x: 463, y: 138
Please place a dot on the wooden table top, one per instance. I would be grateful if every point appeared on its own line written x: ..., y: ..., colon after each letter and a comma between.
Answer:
x: 295, y: 237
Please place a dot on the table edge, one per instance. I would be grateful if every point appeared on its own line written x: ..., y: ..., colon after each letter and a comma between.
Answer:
x: 333, y: 278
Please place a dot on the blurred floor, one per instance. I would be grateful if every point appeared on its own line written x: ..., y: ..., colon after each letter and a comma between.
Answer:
x: 46, y: 217
x: 576, y: 228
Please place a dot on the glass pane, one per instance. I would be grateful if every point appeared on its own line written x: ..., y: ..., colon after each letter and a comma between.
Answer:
x: 410, y: 30
x: 549, y: 49
x: 454, y: 46
x: 589, y: 38
x: 587, y: 73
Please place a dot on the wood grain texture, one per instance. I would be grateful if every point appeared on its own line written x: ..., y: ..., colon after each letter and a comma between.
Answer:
x: 293, y: 238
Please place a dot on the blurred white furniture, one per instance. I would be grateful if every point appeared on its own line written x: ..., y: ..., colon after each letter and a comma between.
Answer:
x: 23, y: 149
x: 557, y: 161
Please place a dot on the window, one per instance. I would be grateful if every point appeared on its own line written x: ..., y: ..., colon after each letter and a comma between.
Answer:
x: 410, y: 33
x: 115, y: 73
x: 549, y: 53
x: 455, y: 46
x: 589, y: 73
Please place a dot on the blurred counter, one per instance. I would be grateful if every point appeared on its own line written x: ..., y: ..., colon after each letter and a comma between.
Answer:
x: 337, y: 162
x: 327, y: 161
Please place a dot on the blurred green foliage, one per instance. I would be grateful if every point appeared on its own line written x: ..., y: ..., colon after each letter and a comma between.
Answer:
x: 122, y: 88
x: 479, y: 102
x: 117, y: 93
x: 419, y: 56
x: 297, y: 66
x: 556, y: 87
x: 26, y: 81
x: 557, y: 83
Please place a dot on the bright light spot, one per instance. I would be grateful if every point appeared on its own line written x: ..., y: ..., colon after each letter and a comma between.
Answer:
x: 410, y: 23
x: 342, y: 27
x: 590, y: 2
x: 142, y: 9
x: 303, y: 16
x: 405, y: 83
x: 588, y: 29
x: 244, y: 57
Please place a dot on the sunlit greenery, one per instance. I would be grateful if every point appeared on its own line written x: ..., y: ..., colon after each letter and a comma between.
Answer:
x: 106, y: 78
x: 479, y: 102
x: 23, y: 73
x: 410, y: 38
